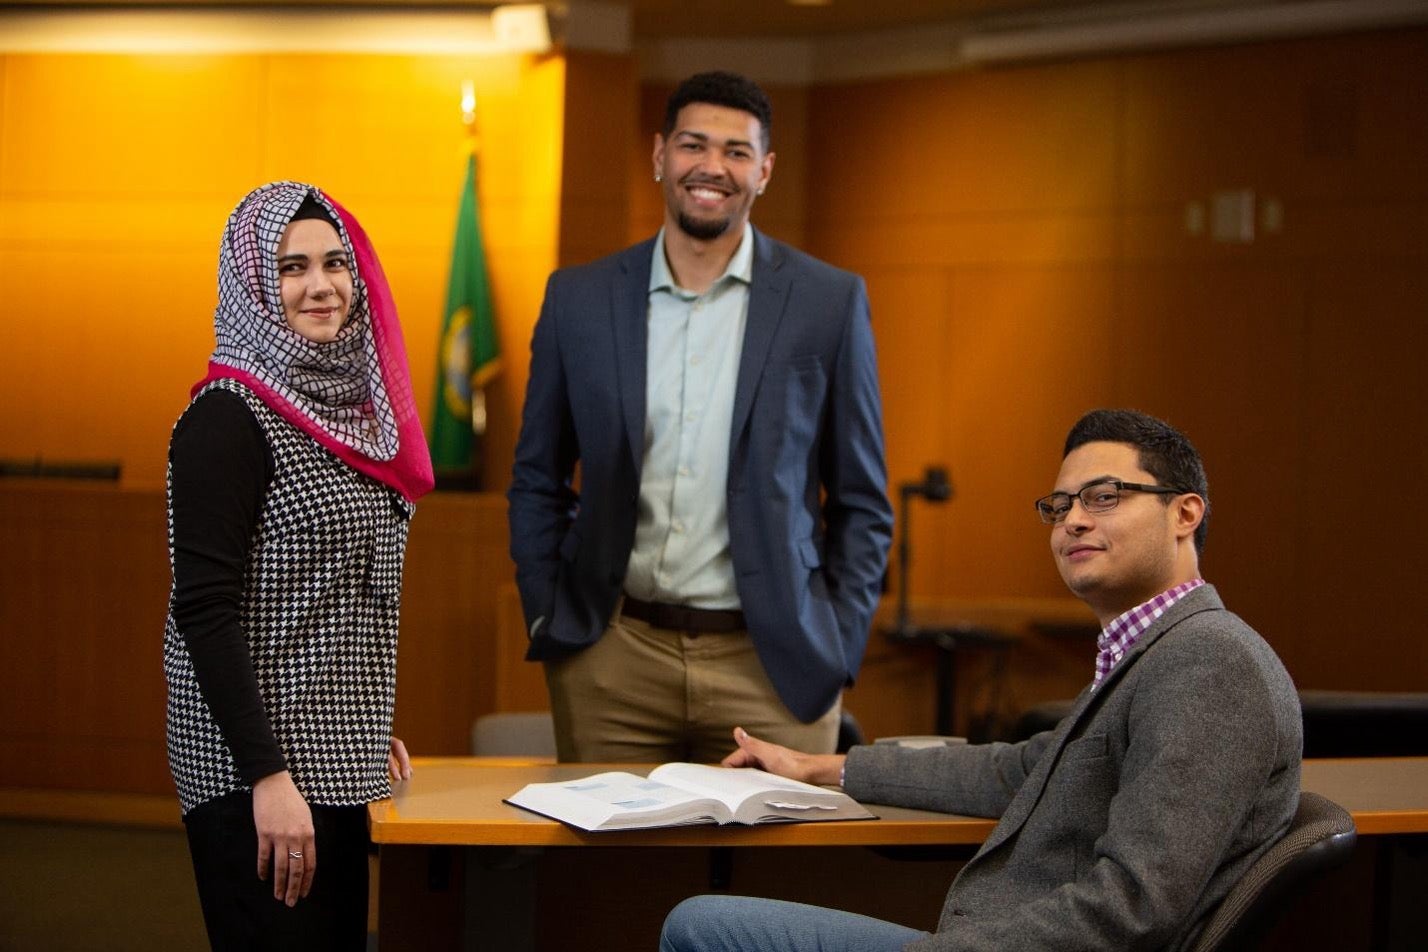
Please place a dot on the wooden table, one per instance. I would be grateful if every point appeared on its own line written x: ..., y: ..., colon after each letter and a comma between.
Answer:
x: 1386, y: 795
x: 435, y: 895
x: 460, y: 869
x: 1388, y: 798
x: 456, y: 801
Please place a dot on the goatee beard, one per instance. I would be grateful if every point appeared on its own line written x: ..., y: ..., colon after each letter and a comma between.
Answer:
x: 703, y: 229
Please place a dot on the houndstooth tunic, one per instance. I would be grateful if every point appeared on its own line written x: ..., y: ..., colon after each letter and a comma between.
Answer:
x: 319, y: 607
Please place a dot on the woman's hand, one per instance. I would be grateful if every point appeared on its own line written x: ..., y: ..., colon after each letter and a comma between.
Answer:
x: 810, y: 768
x: 399, y: 765
x: 285, y: 837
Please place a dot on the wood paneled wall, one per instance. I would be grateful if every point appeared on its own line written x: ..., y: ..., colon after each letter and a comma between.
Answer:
x: 84, y: 582
x: 118, y: 171
x: 1023, y: 234
x: 601, y: 109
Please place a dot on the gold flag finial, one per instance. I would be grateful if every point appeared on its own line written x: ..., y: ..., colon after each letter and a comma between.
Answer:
x: 468, y: 113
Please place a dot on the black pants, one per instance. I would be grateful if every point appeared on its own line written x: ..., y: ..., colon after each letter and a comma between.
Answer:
x: 239, y: 909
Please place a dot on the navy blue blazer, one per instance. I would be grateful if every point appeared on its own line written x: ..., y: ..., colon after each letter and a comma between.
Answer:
x: 809, y: 518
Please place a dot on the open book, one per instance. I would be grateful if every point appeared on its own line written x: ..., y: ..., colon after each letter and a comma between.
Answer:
x: 680, y: 794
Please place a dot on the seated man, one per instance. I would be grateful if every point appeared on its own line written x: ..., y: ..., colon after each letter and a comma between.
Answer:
x: 1120, y: 829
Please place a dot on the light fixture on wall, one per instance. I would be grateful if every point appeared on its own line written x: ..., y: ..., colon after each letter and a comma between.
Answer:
x: 512, y: 28
x: 1094, y: 29
x: 521, y: 27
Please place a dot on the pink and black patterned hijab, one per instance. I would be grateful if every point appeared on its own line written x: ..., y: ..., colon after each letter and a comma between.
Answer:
x: 353, y: 395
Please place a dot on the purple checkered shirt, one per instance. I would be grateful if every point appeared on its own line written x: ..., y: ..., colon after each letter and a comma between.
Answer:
x: 1124, y: 630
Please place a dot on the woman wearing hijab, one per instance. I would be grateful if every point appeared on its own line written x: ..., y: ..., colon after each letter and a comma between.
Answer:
x: 292, y: 478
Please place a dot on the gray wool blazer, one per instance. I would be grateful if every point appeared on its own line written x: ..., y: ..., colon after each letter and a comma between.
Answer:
x: 1125, y: 825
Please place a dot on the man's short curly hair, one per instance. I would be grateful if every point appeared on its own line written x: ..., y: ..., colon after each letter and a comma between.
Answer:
x: 720, y: 88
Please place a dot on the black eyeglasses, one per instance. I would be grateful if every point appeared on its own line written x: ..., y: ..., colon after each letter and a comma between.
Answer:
x: 1102, y: 496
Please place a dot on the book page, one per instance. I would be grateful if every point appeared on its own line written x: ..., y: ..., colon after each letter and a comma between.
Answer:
x: 733, y: 786
x: 618, y: 800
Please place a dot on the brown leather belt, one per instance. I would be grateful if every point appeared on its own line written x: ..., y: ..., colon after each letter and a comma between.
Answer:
x: 684, y: 618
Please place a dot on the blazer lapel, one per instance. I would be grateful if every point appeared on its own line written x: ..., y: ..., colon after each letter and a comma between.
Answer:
x: 1202, y: 599
x: 768, y: 298
x: 1029, y: 795
x: 629, y: 309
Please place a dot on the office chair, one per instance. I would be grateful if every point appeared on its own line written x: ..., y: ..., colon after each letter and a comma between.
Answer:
x: 513, y: 734
x: 1364, y: 724
x: 1336, y: 723
x: 1320, y: 837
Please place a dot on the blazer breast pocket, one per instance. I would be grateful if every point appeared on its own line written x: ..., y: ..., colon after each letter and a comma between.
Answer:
x: 805, y: 389
x: 1087, y: 749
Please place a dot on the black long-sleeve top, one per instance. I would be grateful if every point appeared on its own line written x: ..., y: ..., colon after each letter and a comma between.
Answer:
x: 219, y: 469
x: 281, y: 643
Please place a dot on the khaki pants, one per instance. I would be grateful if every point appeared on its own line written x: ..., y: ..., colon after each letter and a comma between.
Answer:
x: 651, y: 695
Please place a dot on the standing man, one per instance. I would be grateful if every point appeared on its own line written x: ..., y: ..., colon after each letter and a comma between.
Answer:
x: 721, y: 560
x: 1122, y: 828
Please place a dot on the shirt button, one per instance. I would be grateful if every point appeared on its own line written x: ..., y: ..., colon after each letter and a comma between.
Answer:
x: 689, y: 417
x: 698, y: 305
x: 684, y: 470
x: 677, y: 526
x: 695, y: 360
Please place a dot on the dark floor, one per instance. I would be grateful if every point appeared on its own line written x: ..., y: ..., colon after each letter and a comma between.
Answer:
x: 80, y: 888
x: 68, y: 887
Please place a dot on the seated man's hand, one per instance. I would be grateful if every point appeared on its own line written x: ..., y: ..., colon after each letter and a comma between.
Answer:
x: 810, y: 768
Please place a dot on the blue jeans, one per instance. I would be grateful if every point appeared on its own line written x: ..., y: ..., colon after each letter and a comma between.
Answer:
x: 737, y: 924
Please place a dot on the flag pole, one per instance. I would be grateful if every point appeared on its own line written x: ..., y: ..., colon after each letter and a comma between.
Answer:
x: 473, y: 145
x: 468, y: 350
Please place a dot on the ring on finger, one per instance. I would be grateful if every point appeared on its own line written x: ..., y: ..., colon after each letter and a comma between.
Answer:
x: 295, y: 854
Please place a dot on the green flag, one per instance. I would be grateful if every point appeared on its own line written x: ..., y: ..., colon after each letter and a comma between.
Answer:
x: 468, y: 356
